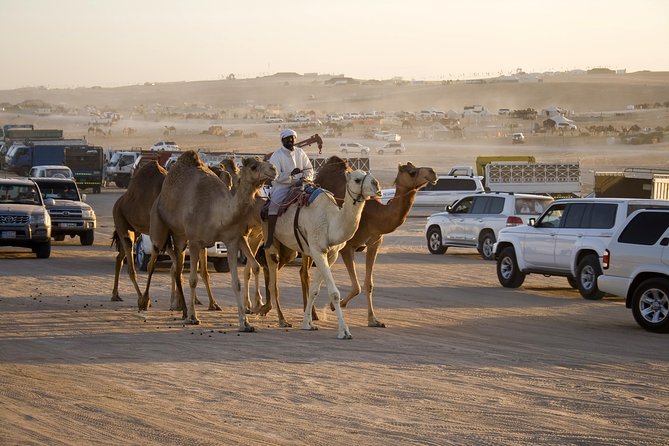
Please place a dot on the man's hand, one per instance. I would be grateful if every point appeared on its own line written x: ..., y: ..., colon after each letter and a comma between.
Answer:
x: 295, y: 171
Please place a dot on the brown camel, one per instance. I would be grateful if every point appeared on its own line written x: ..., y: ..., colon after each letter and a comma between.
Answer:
x: 377, y: 219
x: 131, y: 217
x: 196, y: 208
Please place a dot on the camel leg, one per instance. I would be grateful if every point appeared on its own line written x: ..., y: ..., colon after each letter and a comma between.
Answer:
x: 271, y: 279
x: 253, y: 268
x: 322, y: 263
x: 117, y: 271
x: 204, y: 272
x: 304, y: 282
x: 127, y: 244
x: 314, y: 288
x: 177, y: 298
x: 233, y: 246
x: 372, y: 252
x: 144, y: 301
x: 194, y: 260
x: 348, y: 256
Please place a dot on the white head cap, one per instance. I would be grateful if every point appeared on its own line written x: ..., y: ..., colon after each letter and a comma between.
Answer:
x: 288, y: 132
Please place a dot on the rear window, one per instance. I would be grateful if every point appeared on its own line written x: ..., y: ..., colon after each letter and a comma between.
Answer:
x: 532, y: 206
x: 645, y: 228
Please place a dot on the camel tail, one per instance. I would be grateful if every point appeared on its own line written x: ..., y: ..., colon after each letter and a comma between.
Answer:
x: 116, y: 241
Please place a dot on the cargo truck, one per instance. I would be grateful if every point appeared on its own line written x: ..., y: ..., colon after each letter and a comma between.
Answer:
x: 559, y: 180
x: 633, y: 182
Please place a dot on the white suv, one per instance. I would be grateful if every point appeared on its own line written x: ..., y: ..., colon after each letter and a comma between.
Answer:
x: 392, y: 147
x: 568, y: 240
x: 447, y: 190
x: 475, y: 220
x: 217, y: 254
x: 636, y: 267
x: 353, y: 147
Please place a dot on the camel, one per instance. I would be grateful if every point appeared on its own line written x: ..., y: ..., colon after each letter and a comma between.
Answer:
x: 131, y: 217
x: 196, y: 208
x: 319, y: 231
x: 377, y: 219
x: 169, y: 130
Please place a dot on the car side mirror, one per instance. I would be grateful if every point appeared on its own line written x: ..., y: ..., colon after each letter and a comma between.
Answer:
x: 664, y: 242
x: 49, y: 202
x: 83, y: 197
x: 449, y: 208
x: 532, y: 221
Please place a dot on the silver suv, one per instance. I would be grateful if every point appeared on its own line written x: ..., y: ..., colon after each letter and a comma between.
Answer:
x: 636, y: 267
x: 24, y: 220
x: 568, y: 240
x: 475, y: 220
x: 70, y: 216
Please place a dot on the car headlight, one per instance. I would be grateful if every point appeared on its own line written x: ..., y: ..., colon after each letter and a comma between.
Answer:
x: 41, y: 219
x: 88, y: 213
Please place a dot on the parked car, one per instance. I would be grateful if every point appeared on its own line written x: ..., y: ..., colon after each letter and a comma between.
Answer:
x: 517, y: 138
x: 50, y: 172
x: 273, y: 120
x: 70, y: 215
x: 475, y: 220
x: 569, y: 239
x: 636, y: 267
x: 24, y: 219
x: 165, y: 145
x: 387, y: 136
x: 447, y: 190
x: 353, y: 147
x: 392, y: 147
x: 217, y: 254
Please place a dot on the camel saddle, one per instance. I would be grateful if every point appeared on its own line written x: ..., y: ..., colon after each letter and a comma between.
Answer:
x: 302, y: 194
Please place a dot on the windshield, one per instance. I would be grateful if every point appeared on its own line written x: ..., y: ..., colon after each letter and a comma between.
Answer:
x: 19, y: 194
x: 59, y: 190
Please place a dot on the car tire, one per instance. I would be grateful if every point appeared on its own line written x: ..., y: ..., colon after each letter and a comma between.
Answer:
x: 141, y: 258
x: 434, y: 241
x: 586, y: 278
x: 43, y: 250
x: 87, y: 238
x: 380, y: 151
x: 508, y: 272
x: 221, y: 265
x: 572, y: 282
x: 486, y: 242
x: 650, y: 305
x: 398, y: 152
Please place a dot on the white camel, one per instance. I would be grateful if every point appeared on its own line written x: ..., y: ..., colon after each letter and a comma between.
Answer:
x: 323, y: 228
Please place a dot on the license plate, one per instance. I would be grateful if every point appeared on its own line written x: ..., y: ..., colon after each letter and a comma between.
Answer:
x: 8, y: 234
x: 68, y: 225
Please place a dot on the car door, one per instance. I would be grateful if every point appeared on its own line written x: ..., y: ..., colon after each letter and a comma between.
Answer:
x: 483, y: 208
x: 539, y: 240
x: 454, y: 231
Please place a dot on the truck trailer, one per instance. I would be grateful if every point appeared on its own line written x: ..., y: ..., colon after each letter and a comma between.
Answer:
x: 633, y: 182
x: 559, y: 180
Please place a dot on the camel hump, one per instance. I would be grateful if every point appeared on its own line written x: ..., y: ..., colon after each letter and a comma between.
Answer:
x: 188, y: 159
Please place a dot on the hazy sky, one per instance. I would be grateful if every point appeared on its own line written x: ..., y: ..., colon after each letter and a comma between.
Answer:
x: 71, y: 43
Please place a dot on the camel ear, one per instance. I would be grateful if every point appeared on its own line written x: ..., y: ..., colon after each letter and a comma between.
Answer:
x: 409, y: 164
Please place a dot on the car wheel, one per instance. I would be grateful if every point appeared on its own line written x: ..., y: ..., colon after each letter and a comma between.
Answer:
x: 221, y: 265
x: 43, y: 250
x: 344, y: 151
x: 87, y: 238
x: 508, y: 273
x: 586, y: 278
x: 650, y: 305
x: 380, y: 152
x: 398, y: 152
x: 486, y: 242
x: 141, y: 258
x: 434, y: 241
x: 572, y: 282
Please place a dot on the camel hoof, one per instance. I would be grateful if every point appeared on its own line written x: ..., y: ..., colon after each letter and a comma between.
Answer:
x: 345, y: 335
x: 310, y: 327
x: 264, y: 310
x: 215, y: 307
x: 247, y: 329
x: 116, y: 299
x: 376, y: 323
x: 193, y: 321
x: 285, y: 324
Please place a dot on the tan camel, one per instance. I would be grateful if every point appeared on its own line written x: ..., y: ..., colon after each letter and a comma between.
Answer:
x: 196, y: 208
x: 320, y: 231
x: 131, y: 217
x: 131, y: 214
x: 377, y: 219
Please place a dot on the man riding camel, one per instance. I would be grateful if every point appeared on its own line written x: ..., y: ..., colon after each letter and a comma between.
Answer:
x: 293, y: 166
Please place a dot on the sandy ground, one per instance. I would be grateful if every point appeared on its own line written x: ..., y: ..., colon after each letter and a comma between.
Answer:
x: 462, y: 360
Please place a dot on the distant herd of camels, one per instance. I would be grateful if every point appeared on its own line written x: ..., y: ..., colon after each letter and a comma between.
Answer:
x: 194, y: 206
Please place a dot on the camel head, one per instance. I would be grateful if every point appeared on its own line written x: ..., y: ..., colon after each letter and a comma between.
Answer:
x: 256, y: 171
x: 361, y: 185
x: 413, y: 178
